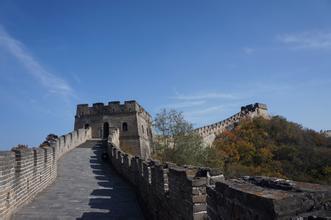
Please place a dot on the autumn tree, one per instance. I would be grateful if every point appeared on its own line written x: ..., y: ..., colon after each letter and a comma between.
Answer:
x: 274, y: 147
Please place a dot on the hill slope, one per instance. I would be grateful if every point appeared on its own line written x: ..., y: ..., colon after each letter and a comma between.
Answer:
x: 274, y: 147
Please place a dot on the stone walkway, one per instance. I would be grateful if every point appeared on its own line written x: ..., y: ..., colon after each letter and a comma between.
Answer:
x: 86, y: 188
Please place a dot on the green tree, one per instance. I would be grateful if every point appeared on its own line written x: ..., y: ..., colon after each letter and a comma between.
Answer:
x: 176, y: 141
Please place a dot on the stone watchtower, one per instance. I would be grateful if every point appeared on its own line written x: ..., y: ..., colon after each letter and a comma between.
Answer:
x: 133, y: 122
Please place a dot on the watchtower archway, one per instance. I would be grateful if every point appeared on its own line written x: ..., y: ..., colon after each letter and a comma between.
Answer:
x: 105, y: 130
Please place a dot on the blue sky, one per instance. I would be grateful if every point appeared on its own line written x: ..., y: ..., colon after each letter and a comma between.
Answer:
x: 205, y: 58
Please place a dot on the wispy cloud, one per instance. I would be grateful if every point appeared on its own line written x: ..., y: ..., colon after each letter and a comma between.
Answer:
x: 52, y: 83
x: 204, y: 107
x: 248, y: 50
x: 211, y: 114
x: 206, y: 111
x: 307, y: 40
x: 185, y: 104
x: 204, y: 96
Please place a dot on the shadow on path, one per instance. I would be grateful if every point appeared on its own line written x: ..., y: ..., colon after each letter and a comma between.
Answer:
x: 114, y: 198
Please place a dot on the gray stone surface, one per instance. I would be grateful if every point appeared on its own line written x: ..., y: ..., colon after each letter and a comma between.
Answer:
x: 86, y: 188
x: 261, y: 197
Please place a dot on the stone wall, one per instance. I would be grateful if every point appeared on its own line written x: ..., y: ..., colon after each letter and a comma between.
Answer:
x: 262, y: 198
x: 27, y: 171
x: 167, y: 191
x: 209, y: 132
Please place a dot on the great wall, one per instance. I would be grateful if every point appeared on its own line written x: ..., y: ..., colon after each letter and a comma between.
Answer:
x: 163, y: 190
x: 209, y: 132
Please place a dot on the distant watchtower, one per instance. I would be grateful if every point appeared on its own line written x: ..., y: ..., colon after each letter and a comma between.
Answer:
x: 209, y: 132
x: 130, y: 118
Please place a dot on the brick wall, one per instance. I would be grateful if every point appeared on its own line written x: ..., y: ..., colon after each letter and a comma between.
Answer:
x: 167, y: 191
x: 26, y: 172
x: 268, y: 198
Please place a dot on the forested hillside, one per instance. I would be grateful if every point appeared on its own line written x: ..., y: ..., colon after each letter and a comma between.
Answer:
x: 274, y: 147
x: 270, y: 147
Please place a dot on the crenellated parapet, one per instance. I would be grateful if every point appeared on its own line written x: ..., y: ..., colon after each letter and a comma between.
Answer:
x: 209, y: 132
x: 24, y: 172
x: 167, y: 191
x: 112, y: 108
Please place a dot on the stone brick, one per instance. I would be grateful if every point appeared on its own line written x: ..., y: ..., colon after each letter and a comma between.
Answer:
x: 266, y: 198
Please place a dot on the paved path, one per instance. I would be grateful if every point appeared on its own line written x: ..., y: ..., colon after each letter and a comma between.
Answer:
x: 86, y: 188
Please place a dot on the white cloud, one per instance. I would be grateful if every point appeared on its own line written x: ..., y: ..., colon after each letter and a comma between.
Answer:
x: 204, y: 96
x: 51, y: 82
x: 308, y: 39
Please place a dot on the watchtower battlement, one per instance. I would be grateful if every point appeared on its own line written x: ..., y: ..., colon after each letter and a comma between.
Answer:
x: 113, y: 108
x: 209, y: 132
x: 253, y: 107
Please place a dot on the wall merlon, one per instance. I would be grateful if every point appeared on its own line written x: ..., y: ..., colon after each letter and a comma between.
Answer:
x: 146, y: 169
x: 114, y: 103
x: 82, y: 105
x: 132, y: 104
x: 98, y: 105
x: 82, y: 109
